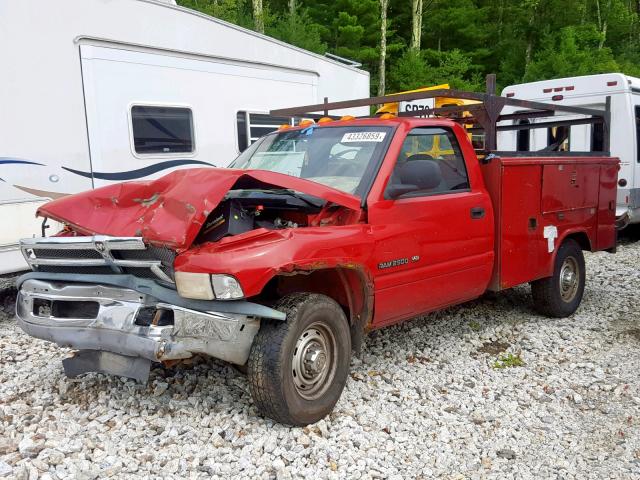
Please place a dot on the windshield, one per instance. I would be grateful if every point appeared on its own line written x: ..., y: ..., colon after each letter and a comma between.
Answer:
x: 340, y: 157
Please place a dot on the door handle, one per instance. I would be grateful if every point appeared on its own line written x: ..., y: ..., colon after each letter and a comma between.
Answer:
x: 477, y: 213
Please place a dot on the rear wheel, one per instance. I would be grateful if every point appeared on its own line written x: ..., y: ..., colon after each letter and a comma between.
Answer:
x: 560, y: 295
x: 298, y: 368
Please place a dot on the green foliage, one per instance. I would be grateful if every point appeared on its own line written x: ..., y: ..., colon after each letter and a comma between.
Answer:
x: 462, y: 40
x: 233, y: 11
x: 572, y: 51
x: 298, y: 30
x: 432, y: 67
x: 508, y: 360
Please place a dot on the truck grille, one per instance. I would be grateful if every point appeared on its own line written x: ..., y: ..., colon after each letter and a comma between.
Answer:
x: 99, y: 255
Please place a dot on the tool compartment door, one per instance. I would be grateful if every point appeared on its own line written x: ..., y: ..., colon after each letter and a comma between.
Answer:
x: 522, y: 247
x: 567, y: 187
x: 538, y: 202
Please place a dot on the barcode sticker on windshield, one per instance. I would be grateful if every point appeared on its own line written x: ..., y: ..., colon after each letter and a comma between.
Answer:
x: 363, y: 137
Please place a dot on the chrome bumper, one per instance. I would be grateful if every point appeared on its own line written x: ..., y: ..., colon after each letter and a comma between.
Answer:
x: 107, y: 318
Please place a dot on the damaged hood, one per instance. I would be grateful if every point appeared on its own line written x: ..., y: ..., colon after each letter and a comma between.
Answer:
x: 170, y: 211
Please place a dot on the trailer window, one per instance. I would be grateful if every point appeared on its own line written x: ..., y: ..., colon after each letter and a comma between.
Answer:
x: 524, y: 137
x: 558, y: 139
x: 638, y: 134
x: 597, y: 137
x: 252, y: 126
x: 162, y: 129
x: 434, y: 145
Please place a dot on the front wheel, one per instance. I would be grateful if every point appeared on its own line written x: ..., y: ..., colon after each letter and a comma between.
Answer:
x: 298, y: 368
x: 560, y: 295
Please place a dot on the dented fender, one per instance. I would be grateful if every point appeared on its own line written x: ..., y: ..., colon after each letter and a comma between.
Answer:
x: 255, y: 257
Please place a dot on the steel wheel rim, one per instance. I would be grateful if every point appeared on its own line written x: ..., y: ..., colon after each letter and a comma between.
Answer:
x: 313, y: 363
x: 569, y: 279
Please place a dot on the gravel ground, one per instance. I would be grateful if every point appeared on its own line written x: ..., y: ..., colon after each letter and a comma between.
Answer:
x: 426, y: 399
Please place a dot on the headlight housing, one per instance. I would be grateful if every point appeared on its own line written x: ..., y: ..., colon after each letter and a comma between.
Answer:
x: 203, y: 286
x: 226, y: 287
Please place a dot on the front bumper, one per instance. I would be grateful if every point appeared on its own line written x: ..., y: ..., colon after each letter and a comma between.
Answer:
x: 108, y: 318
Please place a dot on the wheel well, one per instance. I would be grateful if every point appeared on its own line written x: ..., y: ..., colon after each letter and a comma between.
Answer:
x: 349, y: 287
x: 581, y: 239
x: 346, y: 286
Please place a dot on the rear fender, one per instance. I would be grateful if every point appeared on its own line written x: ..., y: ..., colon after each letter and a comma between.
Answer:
x: 580, y: 235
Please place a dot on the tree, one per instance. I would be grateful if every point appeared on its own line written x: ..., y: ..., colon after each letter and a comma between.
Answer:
x: 232, y: 11
x: 298, y: 29
x: 453, y: 41
x: 382, y: 70
x: 571, y: 52
x: 431, y: 67
x: 416, y: 25
x: 258, y: 15
x: 603, y: 21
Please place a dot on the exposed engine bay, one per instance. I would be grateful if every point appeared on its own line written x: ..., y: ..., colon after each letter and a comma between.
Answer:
x: 245, y: 210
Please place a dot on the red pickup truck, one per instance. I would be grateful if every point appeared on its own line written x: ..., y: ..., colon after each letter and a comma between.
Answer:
x: 315, y: 235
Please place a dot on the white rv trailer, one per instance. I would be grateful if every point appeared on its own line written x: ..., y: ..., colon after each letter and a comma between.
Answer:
x: 588, y: 91
x: 94, y: 91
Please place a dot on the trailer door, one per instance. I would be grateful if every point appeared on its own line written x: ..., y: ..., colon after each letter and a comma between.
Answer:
x: 149, y: 113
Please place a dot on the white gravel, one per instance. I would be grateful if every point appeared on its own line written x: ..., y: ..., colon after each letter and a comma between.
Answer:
x: 424, y: 401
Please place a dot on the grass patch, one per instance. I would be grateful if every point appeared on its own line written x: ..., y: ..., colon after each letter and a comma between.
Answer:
x: 508, y: 360
x: 475, y: 326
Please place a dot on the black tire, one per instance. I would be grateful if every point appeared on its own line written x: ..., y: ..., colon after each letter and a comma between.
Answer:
x: 8, y: 302
x: 279, y: 388
x: 560, y: 295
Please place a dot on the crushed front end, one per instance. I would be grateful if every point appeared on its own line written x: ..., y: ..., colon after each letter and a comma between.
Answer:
x: 113, y: 300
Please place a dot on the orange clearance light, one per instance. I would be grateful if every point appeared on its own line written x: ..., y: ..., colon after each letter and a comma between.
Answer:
x: 325, y: 120
x: 347, y: 117
x: 284, y: 126
x: 305, y: 123
x: 386, y: 116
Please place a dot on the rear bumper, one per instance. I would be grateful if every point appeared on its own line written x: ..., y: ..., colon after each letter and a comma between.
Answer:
x: 628, y: 212
x: 108, y: 318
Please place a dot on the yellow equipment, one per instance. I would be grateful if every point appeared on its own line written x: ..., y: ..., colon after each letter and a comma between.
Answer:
x: 439, y: 146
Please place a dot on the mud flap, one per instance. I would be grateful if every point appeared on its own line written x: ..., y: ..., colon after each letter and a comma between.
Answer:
x: 86, y: 361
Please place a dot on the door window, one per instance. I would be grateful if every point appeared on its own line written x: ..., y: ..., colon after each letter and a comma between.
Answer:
x: 162, y: 129
x: 430, y: 163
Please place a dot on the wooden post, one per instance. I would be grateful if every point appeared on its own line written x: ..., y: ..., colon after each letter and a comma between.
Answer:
x: 491, y: 84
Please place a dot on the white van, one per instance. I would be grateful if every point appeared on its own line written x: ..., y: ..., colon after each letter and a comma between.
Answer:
x: 94, y: 92
x: 588, y: 91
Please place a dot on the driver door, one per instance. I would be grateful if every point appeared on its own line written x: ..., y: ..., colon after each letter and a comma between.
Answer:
x: 433, y: 246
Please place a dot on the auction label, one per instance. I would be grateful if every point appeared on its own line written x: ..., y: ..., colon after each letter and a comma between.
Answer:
x: 363, y: 137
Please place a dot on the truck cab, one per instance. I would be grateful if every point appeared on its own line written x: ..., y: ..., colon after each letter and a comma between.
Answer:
x: 314, y: 236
